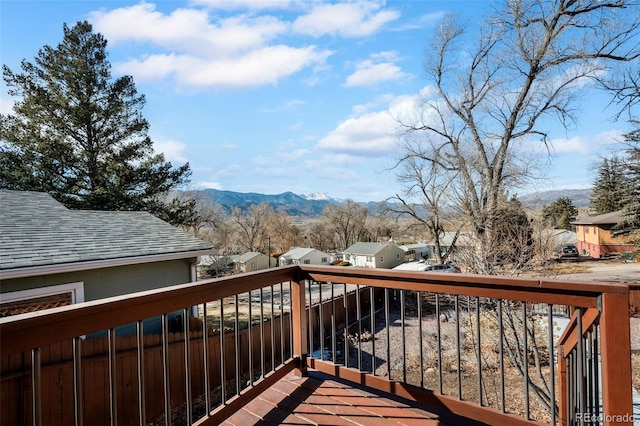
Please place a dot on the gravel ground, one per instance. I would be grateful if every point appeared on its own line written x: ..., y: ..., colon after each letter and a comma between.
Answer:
x: 635, y: 334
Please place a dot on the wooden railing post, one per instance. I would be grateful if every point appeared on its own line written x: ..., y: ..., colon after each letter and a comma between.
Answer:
x: 562, y: 386
x: 299, y: 320
x: 616, y: 360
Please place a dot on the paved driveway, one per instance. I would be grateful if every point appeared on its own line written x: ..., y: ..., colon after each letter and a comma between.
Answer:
x: 607, y: 271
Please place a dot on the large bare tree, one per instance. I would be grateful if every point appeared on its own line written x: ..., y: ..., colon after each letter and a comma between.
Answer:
x: 252, y: 226
x: 426, y: 198
x: 495, y: 92
x: 347, y: 221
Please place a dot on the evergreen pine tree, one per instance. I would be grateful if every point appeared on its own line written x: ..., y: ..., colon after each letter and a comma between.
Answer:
x: 632, y: 198
x: 78, y: 134
x: 560, y: 213
x: 610, y: 187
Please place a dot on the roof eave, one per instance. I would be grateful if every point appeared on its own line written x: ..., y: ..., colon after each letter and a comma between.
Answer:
x: 32, y: 271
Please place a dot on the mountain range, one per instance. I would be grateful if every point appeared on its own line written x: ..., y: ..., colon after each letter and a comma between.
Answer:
x: 312, y: 204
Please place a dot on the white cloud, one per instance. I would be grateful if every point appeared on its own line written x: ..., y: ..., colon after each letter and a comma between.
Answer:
x: 589, y: 144
x: 206, y: 51
x: 260, y: 67
x: 172, y: 150
x: 209, y: 185
x: 354, y: 19
x: 379, y: 68
x: 372, y: 133
x: 246, y: 4
x: 187, y: 30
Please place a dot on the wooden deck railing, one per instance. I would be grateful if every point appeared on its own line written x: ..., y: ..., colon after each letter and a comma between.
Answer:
x: 259, y: 326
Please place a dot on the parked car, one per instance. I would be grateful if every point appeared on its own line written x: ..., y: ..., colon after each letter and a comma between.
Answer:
x: 566, y: 252
x: 442, y: 268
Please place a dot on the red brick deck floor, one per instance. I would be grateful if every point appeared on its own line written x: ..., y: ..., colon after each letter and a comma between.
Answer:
x: 324, y: 400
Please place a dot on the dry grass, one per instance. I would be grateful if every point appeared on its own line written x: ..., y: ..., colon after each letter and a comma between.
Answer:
x: 243, y: 308
x: 553, y: 268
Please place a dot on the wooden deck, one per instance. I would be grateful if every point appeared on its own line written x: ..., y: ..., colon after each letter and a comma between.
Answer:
x: 320, y: 399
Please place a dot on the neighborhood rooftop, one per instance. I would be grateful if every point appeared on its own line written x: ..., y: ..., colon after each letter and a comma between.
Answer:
x: 36, y: 230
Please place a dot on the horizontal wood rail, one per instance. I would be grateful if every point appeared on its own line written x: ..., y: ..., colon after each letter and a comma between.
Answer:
x: 604, y: 304
x: 32, y: 330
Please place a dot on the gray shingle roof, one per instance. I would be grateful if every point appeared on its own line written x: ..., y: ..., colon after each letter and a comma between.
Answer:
x: 297, y: 253
x: 36, y: 230
x: 603, y: 219
x: 369, y: 249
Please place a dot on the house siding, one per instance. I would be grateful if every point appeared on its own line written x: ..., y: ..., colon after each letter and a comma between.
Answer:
x: 108, y: 282
x: 597, y: 241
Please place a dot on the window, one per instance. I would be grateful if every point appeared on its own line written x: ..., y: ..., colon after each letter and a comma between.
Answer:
x: 369, y: 258
x: 307, y: 261
x: 323, y: 260
x: 19, y: 302
x: 398, y: 256
x: 381, y: 259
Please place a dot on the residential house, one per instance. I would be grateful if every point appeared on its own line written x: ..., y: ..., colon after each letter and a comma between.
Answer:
x: 417, y: 252
x: 374, y: 255
x: 52, y: 256
x: 252, y: 261
x: 446, y: 240
x: 304, y: 256
x: 598, y: 237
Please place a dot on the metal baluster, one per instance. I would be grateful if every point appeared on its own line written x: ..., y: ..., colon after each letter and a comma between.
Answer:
x: 165, y: 370
x: 311, y: 319
x: 187, y: 369
x: 571, y: 378
x: 320, y: 309
x: 479, y: 351
x: 291, y: 320
x: 333, y: 326
x: 418, y: 297
x: 262, y: 354
x: 36, y: 383
x: 236, y: 333
x: 525, y: 361
x: 580, y: 360
x: 78, y: 404
x: 439, y: 343
x: 141, y: 378
x: 250, y: 340
x: 552, y: 364
x: 589, y: 373
x: 458, y: 363
x: 282, y: 359
x: 346, y: 327
x: 596, y: 370
x: 404, y: 343
x: 501, y: 356
x: 388, y: 331
x: 359, y: 316
x: 223, y: 377
x: 205, y: 354
x: 372, y: 308
x: 113, y: 402
x: 273, y: 335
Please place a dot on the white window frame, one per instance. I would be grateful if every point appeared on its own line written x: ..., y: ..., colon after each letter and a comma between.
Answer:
x: 76, y: 289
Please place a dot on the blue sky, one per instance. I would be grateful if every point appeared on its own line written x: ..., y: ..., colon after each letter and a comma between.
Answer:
x: 275, y: 96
